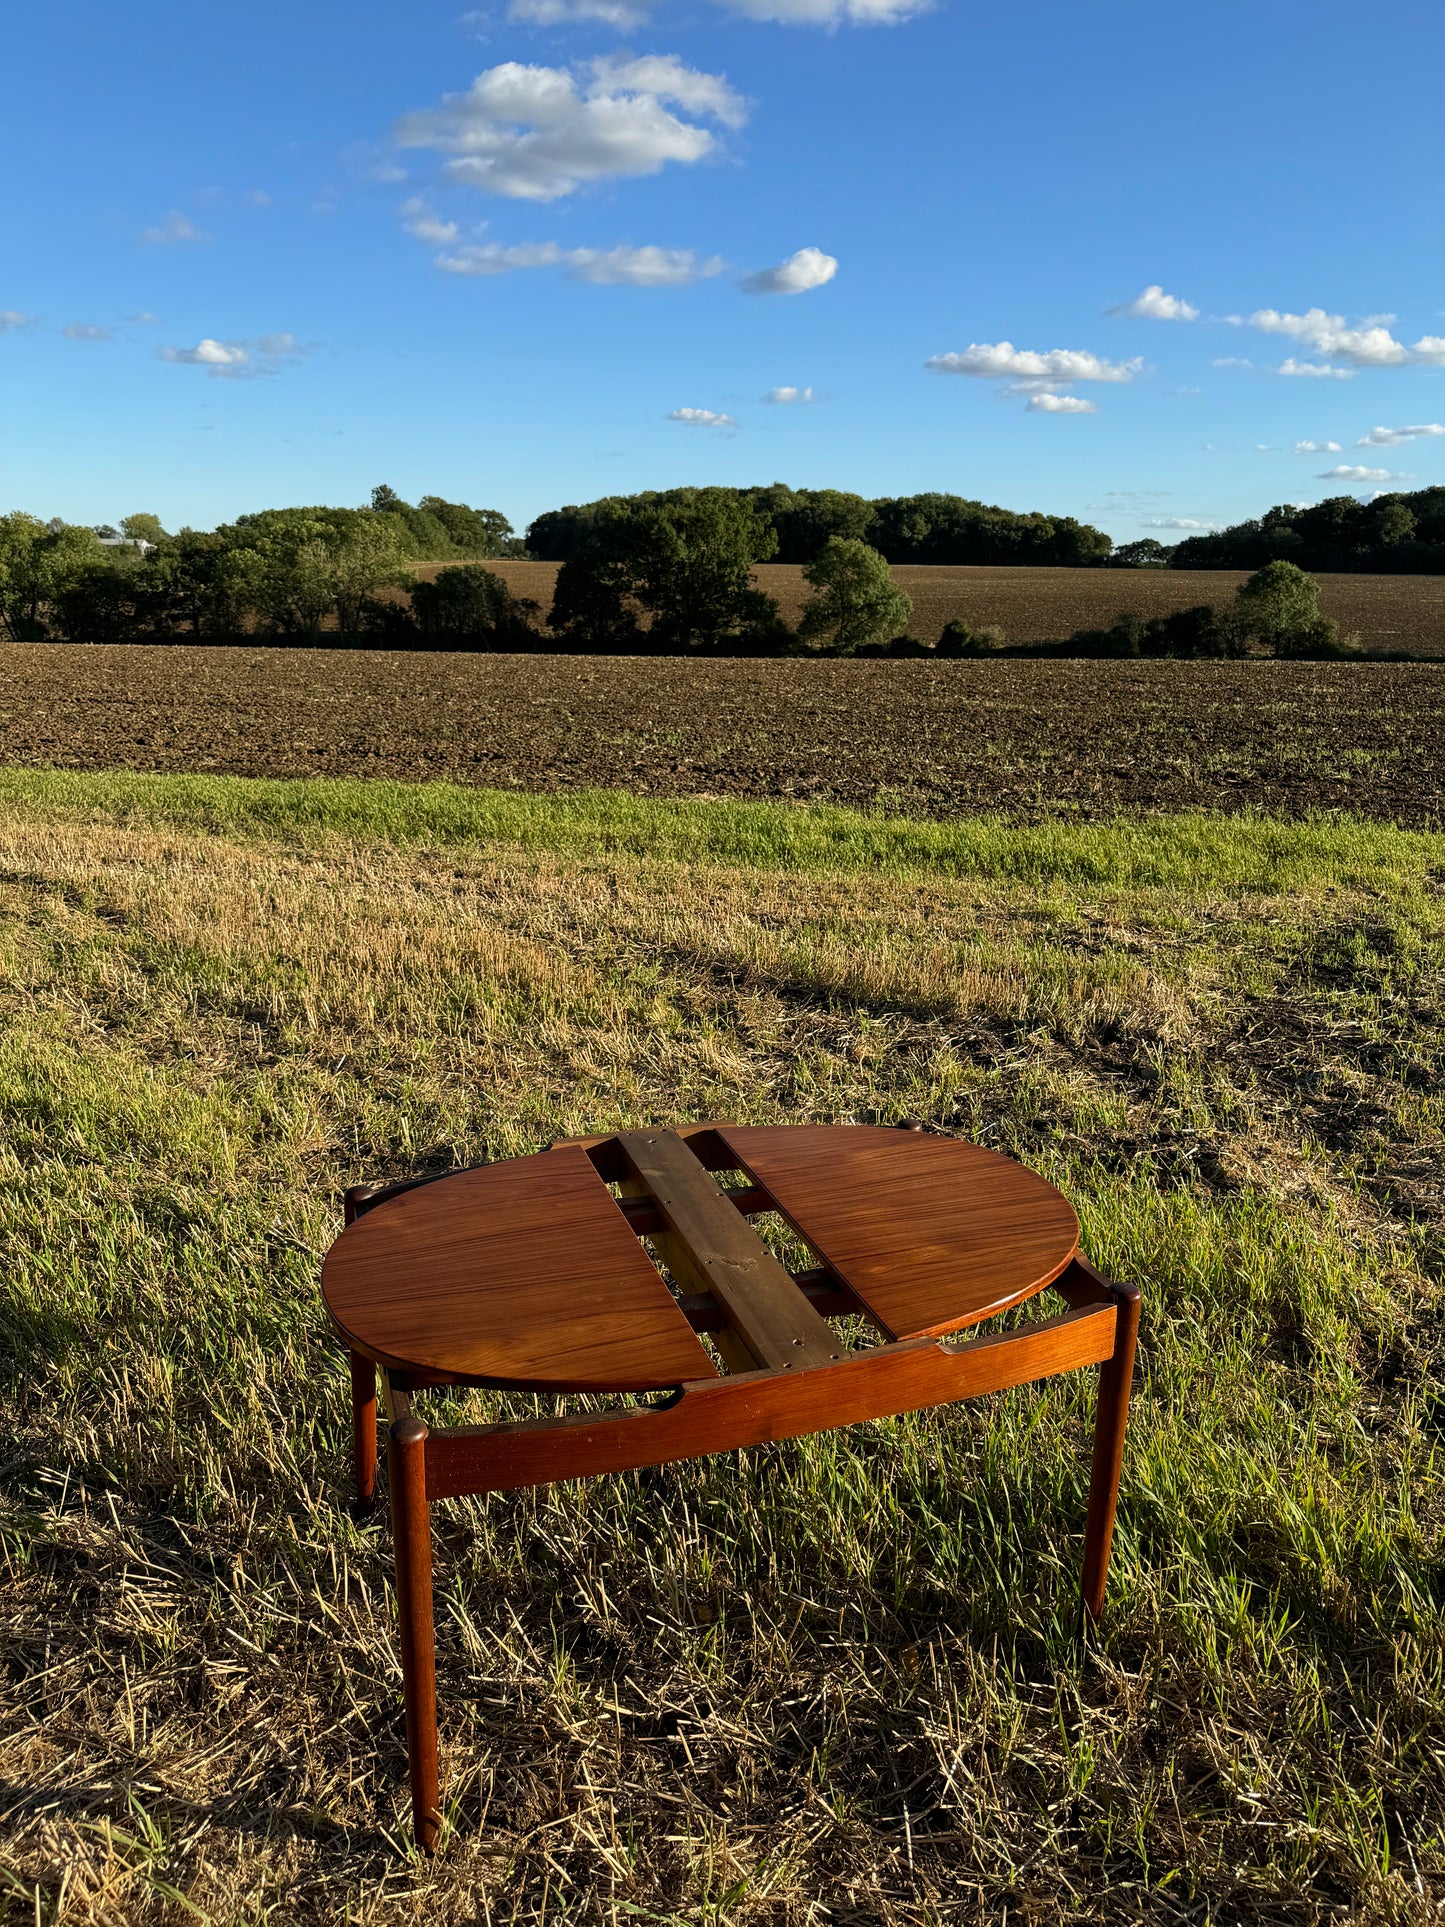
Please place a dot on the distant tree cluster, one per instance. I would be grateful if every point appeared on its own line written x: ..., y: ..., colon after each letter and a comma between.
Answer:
x: 282, y: 572
x: 937, y: 529
x: 1400, y: 534
x: 1275, y: 613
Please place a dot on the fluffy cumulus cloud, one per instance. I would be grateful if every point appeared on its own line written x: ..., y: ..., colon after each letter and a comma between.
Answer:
x: 1365, y: 344
x: 1178, y: 522
x: 239, y: 360
x: 1356, y: 472
x: 779, y: 397
x: 537, y: 133
x: 1314, y: 370
x: 1154, y: 305
x: 619, y: 267
x: 830, y: 13
x: 166, y: 233
x: 701, y: 418
x: 1001, y: 361
x: 1397, y: 437
x: 1316, y: 448
x: 808, y: 268
x: 1039, y: 374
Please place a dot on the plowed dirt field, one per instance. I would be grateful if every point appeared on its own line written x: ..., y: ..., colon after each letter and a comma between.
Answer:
x: 1388, y: 612
x: 1036, y: 738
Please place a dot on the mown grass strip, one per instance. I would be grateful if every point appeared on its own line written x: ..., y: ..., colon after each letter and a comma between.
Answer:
x: 1189, y: 850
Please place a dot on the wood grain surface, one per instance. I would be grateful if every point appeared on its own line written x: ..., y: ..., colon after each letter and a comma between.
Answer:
x: 523, y: 1273
x: 931, y: 1233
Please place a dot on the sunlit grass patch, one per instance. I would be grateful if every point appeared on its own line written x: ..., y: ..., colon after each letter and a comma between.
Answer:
x: 839, y: 1674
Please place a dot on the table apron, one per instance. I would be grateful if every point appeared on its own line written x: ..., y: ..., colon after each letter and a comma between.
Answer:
x: 757, y: 1407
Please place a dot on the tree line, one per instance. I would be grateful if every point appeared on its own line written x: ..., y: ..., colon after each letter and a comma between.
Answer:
x: 933, y: 528
x: 1396, y: 534
x: 280, y: 572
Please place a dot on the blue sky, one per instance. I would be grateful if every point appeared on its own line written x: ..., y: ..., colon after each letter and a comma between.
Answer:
x: 554, y: 249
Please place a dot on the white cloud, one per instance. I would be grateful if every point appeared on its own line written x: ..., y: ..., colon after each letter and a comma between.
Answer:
x: 561, y: 13
x: 1154, y: 305
x: 701, y: 418
x: 1030, y: 371
x: 830, y: 13
x: 1176, y: 522
x: 645, y: 267
x: 143, y: 318
x: 808, y: 268
x: 86, y: 331
x: 175, y: 227
x: 1397, y: 437
x: 1316, y: 448
x: 537, y: 133
x: 665, y: 77
x: 1328, y: 335
x: 1231, y: 361
x: 779, y: 396
x: 1320, y: 370
x: 12, y: 318
x: 1368, y: 344
x: 239, y: 360
x: 1048, y: 403
x: 418, y: 218
x: 1353, y: 472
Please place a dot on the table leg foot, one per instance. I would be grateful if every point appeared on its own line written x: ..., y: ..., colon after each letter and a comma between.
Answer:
x: 411, y: 1531
x: 1115, y: 1378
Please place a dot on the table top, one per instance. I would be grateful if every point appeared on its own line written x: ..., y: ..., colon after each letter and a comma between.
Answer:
x: 532, y: 1273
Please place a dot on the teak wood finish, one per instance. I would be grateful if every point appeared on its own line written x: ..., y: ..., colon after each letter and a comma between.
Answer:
x: 531, y: 1275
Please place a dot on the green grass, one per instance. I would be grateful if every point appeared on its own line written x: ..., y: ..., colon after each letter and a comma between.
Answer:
x: 1224, y: 852
x: 831, y: 1680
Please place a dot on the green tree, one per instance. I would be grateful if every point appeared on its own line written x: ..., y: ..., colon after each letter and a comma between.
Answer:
x: 857, y: 601
x: 1147, y: 553
x: 473, y: 605
x: 38, y: 560
x: 682, y: 569
x: 144, y: 528
x: 472, y: 532
x: 385, y: 500
x: 1279, y: 607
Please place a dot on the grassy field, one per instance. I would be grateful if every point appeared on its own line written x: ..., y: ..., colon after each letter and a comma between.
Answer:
x: 1389, y: 612
x: 828, y: 1681
x: 1038, y: 739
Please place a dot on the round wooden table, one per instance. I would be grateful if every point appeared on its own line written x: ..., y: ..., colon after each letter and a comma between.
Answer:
x: 533, y: 1275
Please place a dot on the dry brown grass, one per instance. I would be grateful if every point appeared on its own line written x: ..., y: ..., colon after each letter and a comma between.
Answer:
x: 827, y: 1681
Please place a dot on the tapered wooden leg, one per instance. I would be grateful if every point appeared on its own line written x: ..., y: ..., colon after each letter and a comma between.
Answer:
x: 1115, y: 1378
x: 363, y: 1427
x: 411, y: 1532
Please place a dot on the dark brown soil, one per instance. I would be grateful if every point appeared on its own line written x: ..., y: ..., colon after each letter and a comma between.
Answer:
x: 1037, y: 738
